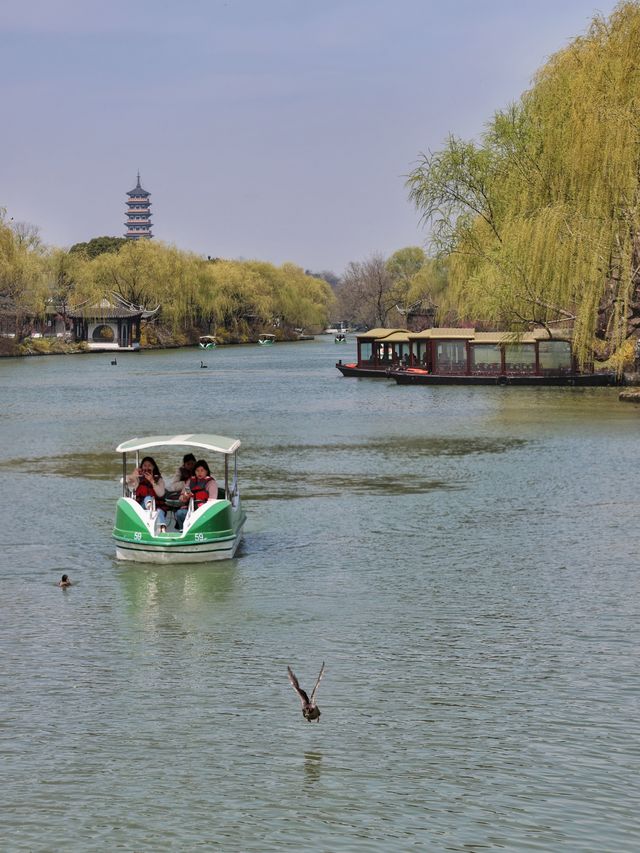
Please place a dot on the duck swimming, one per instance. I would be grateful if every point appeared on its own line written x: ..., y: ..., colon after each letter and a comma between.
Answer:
x: 310, y: 710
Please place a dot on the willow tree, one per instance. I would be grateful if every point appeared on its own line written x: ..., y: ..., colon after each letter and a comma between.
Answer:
x: 238, y: 296
x: 176, y: 285
x: 68, y: 284
x: 299, y: 300
x: 540, y: 221
x: 23, y: 283
x: 133, y: 273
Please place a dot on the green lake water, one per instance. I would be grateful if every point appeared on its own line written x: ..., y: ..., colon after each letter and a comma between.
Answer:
x: 465, y: 560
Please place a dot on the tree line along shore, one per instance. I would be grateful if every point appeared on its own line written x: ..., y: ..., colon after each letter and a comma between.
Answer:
x: 534, y: 224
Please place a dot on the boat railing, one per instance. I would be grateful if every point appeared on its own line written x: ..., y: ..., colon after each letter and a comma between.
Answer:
x: 451, y: 367
x: 190, y: 510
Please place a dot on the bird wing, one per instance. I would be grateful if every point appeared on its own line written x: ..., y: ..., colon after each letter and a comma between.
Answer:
x: 313, y: 692
x: 294, y: 683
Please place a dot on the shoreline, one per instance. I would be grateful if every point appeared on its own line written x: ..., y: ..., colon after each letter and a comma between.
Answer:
x: 81, y: 348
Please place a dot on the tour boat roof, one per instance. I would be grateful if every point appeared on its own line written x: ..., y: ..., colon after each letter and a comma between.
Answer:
x: 431, y: 334
x: 489, y: 337
x: 218, y: 443
x: 396, y: 337
x: 379, y: 334
x: 503, y: 338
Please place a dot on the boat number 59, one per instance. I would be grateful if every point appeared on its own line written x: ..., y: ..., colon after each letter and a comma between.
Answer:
x: 199, y: 537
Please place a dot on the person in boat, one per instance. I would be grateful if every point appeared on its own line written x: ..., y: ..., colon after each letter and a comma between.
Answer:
x: 183, y: 473
x: 148, y: 485
x: 64, y: 582
x: 202, y: 487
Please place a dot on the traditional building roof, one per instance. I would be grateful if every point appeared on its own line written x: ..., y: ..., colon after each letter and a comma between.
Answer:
x: 113, y: 308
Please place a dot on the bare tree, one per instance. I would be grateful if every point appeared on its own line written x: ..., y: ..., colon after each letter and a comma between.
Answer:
x: 367, y: 294
x: 27, y: 236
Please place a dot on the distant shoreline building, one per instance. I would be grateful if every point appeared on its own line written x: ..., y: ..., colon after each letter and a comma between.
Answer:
x: 111, y: 324
x: 138, y: 214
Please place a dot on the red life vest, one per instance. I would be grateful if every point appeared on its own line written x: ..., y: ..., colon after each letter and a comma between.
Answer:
x: 199, y: 490
x: 145, y: 490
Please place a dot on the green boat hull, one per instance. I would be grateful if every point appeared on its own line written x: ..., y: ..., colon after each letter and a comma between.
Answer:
x: 213, y: 532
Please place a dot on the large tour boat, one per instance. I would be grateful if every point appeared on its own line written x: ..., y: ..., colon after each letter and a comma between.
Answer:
x: 211, y: 531
x: 445, y: 356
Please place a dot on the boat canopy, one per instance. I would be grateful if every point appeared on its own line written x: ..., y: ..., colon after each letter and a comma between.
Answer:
x: 217, y: 443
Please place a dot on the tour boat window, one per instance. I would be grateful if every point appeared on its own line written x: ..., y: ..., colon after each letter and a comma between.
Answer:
x: 520, y: 356
x: 422, y: 351
x: 365, y: 351
x: 451, y: 356
x: 486, y: 357
x: 555, y: 355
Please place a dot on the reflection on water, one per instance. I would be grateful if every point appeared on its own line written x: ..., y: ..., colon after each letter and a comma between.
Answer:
x: 149, y: 591
x: 312, y: 767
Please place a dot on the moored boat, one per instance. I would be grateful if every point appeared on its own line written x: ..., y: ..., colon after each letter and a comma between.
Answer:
x: 207, y: 342
x: 379, y: 350
x: 267, y: 340
x: 211, y: 531
x: 446, y: 356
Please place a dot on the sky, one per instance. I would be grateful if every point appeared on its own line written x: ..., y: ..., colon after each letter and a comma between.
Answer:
x: 281, y: 130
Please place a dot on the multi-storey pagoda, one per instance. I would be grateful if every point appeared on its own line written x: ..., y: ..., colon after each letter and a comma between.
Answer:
x: 138, y: 214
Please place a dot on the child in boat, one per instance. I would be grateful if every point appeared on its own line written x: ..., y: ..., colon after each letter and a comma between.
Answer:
x: 202, y: 487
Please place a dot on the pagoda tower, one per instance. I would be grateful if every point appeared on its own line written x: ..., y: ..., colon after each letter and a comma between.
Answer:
x: 138, y: 214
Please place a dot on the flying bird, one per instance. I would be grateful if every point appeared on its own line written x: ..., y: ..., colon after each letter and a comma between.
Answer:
x: 310, y: 710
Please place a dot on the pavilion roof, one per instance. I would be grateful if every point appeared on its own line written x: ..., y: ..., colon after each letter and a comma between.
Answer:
x: 112, y: 308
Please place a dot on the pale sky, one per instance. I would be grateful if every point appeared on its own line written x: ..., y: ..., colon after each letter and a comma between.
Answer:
x: 274, y: 129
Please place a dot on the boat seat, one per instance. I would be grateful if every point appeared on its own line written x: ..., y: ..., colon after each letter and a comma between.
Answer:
x: 172, y: 500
